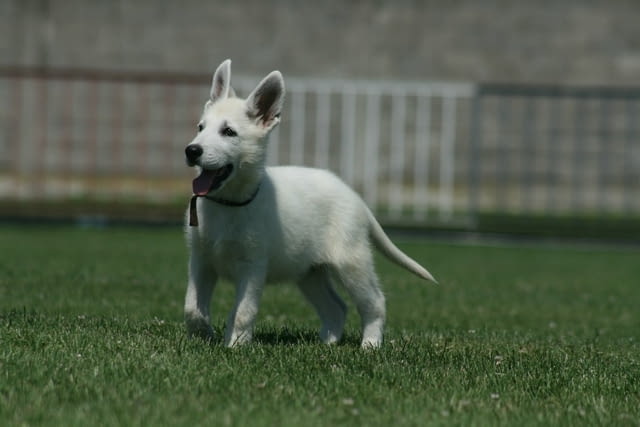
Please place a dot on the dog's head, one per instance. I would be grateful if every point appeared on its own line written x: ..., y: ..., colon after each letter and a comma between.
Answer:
x: 232, y: 131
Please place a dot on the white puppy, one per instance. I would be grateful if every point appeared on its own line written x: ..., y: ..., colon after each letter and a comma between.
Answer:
x: 252, y: 224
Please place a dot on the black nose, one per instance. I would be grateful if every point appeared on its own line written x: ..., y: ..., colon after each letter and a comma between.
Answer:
x: 193, y: 152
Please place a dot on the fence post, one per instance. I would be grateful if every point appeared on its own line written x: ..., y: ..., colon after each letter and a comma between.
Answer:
x: 630, y: 197
x: 348, y: 138
x: 527, y: 193
x: 604, y: 135
x: 371, y: 149
x: 421, y: 161
x: 297, y: 131
x: 397, y: 145
x: 475, y: 141
x: 447, y: 153
x: 323, y: 125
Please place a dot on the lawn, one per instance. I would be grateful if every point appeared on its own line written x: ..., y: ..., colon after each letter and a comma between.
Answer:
x: 91, y: 334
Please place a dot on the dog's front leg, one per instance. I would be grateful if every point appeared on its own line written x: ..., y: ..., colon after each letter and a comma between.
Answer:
x: 202, y: 280
x: 243, y: 316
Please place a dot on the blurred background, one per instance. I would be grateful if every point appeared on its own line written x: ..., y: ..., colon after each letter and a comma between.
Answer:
x: 482, y: 116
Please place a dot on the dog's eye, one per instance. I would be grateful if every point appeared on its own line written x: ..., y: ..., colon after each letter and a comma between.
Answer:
x: 227, y: 131
x: 200, y: 127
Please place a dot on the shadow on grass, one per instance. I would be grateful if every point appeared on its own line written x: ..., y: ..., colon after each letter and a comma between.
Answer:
x: 272, y: 337
x: 118, y: 327
x: 297, y: 336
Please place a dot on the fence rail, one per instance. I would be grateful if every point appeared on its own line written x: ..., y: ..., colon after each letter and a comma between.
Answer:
x: 417, y: 152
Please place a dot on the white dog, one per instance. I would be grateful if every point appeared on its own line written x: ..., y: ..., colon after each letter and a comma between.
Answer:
x: 252, y: 224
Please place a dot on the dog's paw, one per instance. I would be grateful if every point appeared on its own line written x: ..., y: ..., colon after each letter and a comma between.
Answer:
x: 238, y: 339
x: 330, y: 337
x: 199, y: 327
x: 370, y: 344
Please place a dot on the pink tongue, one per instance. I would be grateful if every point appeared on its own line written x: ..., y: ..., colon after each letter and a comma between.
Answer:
x: 203, y: 183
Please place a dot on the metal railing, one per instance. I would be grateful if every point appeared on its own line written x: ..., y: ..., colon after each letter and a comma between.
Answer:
x: 416, y: 152
x: 88, y: 134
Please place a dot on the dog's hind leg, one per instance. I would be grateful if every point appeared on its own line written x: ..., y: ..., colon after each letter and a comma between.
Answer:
x: 316, y: 287
x: 361, y: 283
x: 202, y: 280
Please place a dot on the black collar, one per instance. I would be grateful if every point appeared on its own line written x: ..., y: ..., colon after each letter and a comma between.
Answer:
x: 193, y: 212
x: 233, y: 202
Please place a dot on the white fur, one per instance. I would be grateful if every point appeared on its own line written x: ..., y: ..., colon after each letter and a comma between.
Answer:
x: 304, y: 225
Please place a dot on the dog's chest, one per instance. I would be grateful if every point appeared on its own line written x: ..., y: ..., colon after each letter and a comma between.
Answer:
x: 235, y: 246
x: 229, y: 242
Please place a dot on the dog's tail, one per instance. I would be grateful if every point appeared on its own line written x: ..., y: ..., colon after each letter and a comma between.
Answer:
x: 391, y: 251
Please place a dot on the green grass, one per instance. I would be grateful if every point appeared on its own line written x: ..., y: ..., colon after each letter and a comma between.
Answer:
x: 91, y: 333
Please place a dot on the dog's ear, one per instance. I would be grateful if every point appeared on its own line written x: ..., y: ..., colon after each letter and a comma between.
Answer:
x: 264, y: 104
x: 221, y: 84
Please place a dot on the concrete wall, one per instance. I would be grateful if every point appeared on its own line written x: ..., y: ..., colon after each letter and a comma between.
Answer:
x: 570, y: 41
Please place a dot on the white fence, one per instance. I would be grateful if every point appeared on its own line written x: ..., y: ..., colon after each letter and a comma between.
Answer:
x: 418, y: 153
x: 86, y: 135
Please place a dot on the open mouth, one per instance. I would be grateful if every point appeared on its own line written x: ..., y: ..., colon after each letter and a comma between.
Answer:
x: 211, y: 179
